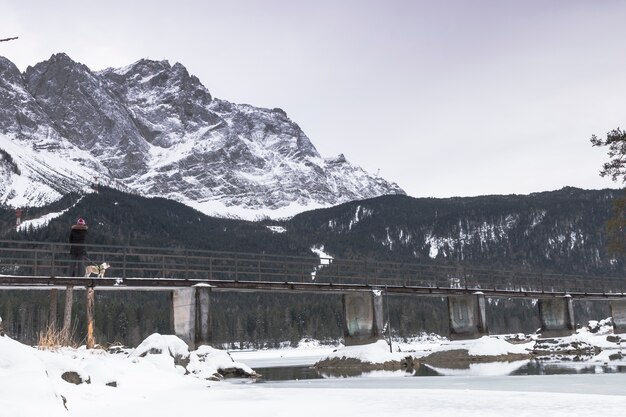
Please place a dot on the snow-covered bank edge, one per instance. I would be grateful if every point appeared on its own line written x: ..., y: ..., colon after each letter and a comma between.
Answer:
x: 593, y: 343
x: 377, y: 356
x: 54, y: 376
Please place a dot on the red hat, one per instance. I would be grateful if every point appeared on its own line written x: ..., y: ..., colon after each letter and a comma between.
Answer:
x: 80, y: 221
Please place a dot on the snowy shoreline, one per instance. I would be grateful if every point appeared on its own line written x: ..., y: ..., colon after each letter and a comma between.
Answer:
x: 67, y: 382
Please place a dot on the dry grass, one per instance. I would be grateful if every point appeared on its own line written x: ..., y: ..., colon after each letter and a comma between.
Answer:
x: 53, y: 338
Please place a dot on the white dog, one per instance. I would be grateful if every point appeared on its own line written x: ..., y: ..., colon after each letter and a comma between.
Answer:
x: 97, y: 269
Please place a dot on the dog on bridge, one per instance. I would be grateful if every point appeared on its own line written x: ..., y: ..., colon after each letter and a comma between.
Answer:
x: 97, y: 269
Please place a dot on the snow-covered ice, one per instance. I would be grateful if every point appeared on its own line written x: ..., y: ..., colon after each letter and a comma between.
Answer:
x: 146, y: 381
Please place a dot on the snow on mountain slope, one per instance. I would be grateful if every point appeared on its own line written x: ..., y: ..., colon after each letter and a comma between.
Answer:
x: 156, y: 130
x: 39, y: 175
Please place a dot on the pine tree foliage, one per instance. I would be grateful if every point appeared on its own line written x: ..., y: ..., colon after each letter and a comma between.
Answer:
x: 616, y: 143
x: 616, y: 169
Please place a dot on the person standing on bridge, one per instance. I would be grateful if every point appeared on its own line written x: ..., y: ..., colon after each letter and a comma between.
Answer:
x: 78, y: 252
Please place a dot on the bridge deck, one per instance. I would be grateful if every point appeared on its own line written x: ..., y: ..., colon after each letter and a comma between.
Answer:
x: 168, y: 284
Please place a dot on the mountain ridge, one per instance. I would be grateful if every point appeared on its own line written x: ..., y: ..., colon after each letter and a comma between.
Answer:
x: 153, y: 128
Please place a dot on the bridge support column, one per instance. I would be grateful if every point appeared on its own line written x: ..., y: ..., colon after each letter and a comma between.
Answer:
x: 618, y: 312
x: 467, y: 316
x: 190, y: 315
x: 363, y: 317
x: 91, y: 298
x: 557, y: 317
x: 52, y: 315
x: 67, y: 312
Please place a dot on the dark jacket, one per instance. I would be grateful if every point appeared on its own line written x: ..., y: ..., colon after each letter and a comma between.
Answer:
x: 77, y: 238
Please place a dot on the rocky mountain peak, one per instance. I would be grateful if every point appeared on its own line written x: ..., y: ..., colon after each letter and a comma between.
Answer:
x: 149, y: 75
x: 59, y: 68
x: 153, y: 128
x: 20, y: 115
x: 164, y: 101
x: 87, y: 114
x: 11, y: 93
x: 9, y: 73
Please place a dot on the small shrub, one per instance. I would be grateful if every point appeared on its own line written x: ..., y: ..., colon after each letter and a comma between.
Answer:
x: 52, y: 338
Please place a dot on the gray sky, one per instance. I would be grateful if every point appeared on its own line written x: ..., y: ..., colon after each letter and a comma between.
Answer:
x: 446, y: 98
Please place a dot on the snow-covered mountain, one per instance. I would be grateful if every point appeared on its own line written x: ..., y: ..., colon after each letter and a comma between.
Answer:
x: 154, y: 129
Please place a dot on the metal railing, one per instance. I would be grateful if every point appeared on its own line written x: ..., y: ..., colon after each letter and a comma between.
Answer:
x: 43, y: 259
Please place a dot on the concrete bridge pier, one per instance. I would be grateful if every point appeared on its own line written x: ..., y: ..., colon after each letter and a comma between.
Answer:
x: 363, y: 317
x: 557, y: 316
x: 191, y: 320
x: 618, y: 312
x: 467, y: 316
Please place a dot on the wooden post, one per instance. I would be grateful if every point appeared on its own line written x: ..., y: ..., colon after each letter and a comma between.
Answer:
x: 67, y: 314
x: 90, y: 319
x: 52, y: 318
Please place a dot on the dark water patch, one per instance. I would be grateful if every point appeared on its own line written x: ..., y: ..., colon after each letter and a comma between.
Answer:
x: 547, y: 368
x: 288, y: 373
x: 533, y: 367
x: 295, y: 373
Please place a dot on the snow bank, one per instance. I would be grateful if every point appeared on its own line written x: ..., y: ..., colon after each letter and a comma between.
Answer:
x: 307, y: 352
x: 602, y: 327
x: 210, y: 363
x: 34, y: 380
x: 483, y: 369
x: 169, y: 351
x: 374, y: 353
x: 488, y: 346
x: 26, y: 388
x: 161, y: 344
x: 164, y: 351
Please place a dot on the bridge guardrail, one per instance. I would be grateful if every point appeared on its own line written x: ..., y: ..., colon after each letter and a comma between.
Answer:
x: 26, y: 258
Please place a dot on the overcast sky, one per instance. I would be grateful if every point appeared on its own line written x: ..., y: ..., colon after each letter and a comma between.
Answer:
x: 446, y: 98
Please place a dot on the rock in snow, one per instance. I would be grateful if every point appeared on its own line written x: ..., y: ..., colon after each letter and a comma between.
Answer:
x: 205, y: 362
x: 154, y: 129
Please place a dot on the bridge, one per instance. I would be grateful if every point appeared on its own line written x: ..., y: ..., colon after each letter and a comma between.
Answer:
x: 193, y: 275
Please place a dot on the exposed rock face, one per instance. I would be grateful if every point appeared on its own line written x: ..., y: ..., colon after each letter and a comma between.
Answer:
x: 155, y: 129
x: 20, y: 115
x: 87, y: 114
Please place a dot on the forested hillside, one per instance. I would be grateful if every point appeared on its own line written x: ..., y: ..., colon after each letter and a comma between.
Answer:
x: 562, y: 231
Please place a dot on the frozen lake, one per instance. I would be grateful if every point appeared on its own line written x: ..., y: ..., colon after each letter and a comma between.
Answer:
x: 31, y: 384
x: 604, y: 384
x: 522, y: 388
x: 293, y: 369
